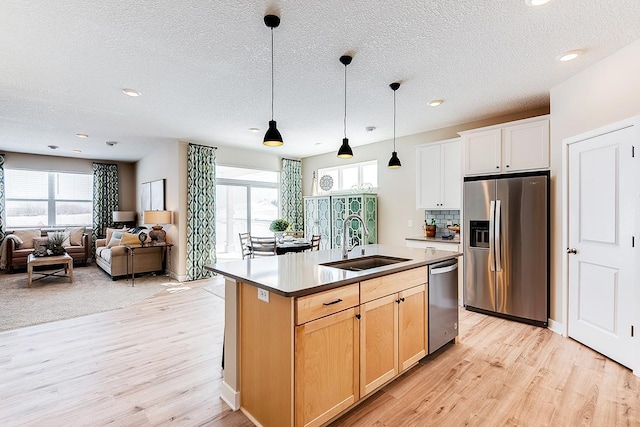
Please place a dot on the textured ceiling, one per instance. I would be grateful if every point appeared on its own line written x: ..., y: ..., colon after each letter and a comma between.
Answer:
x: 204, y: 68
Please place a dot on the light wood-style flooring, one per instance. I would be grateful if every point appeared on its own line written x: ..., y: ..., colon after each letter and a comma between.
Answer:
x: 158, y: 363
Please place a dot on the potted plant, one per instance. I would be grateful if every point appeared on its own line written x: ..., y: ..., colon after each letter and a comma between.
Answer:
x: 55, y: 241
x: 279, y: 226
x: 430, y: 228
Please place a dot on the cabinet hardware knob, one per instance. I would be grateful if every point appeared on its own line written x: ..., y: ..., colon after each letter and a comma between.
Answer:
x: 358, y: 316
x: 402, y: 299
x: 497, y: 167
x: 507, y: 165
x: 332, y: 302
x: 572, y: 251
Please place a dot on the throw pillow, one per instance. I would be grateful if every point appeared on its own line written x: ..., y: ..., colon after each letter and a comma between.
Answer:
x: 130, y: 239
x: 75, y: 235
x: 40, y: 246
x: 110, y: 232
x: 27, y: 237
x: 66, y: 242
x: 116, y: 237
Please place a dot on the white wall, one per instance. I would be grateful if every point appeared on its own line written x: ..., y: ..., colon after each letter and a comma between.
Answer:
x: 397, y: 187
x: 606, y: 92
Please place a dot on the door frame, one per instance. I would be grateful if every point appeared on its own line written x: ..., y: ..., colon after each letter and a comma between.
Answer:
x: 566, y: 143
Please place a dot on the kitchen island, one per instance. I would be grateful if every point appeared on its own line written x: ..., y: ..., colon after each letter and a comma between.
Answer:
x: 305, y: 341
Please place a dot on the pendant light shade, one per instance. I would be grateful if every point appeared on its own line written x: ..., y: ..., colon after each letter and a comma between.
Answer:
x: 272, y: 138
x: 394, y: 162
x: 345, y: 151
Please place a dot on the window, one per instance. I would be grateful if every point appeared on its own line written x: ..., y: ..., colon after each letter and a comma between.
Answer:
x: 48, y: 199
x: 356, y: 176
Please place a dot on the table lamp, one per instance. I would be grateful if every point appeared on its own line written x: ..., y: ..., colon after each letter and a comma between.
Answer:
x: 124, y: 218
x: 158, y: 218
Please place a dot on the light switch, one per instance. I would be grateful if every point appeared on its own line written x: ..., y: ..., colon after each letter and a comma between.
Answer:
x: 410, y: 223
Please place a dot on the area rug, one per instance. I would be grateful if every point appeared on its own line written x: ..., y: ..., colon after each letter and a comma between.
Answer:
x: 54, y: 298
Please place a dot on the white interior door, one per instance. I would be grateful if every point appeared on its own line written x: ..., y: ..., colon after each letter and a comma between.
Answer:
x: 602, y: 282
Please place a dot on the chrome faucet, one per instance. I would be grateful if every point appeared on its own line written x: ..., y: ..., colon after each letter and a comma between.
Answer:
x: 345, y: 233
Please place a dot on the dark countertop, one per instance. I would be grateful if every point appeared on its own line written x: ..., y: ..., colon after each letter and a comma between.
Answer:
x: 299, y: 274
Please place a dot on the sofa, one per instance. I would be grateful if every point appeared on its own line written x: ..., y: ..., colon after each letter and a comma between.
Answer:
x: 17, y: 253
x: 112, y: 255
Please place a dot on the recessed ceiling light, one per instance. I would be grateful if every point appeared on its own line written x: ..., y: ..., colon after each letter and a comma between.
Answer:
x: 131, y: 92
x: 436, y: 102
x: 77, y: 151
x: 318, y: 143
x: 254, y: 130
x: 570, y: 55
x: 53, y: 147
x: 370, y: 128
x: 536, y: 2
x: 111, y: 143
x: 82, y: 135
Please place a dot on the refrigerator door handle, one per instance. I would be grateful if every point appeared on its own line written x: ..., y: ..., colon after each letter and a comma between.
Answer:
x: 492, y: 255
x: 498, y: 236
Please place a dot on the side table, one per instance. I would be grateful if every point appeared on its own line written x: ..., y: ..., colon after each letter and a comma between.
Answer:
x: 132, y: 251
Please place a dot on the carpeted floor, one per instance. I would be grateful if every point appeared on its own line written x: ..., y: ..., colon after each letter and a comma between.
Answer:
x: 54, y: 298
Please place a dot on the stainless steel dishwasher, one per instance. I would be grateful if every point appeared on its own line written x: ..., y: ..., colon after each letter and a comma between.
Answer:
x: 443, y: 303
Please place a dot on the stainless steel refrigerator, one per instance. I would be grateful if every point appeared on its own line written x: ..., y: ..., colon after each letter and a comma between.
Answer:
x: 506, y: 251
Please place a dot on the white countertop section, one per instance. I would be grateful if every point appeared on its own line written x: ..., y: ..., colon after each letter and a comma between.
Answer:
x: 298, y: 274
x: 455, y: 240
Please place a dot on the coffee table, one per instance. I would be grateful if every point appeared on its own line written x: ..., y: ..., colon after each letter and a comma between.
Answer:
x: 36, y: 261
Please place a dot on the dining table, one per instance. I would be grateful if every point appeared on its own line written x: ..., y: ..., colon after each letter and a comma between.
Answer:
x: 295, y: 245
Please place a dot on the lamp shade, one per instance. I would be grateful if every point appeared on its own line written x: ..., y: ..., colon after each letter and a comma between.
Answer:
x: 123, y: 216
x: 345, y: 151
x: 272, y: 138
x: 157, y: 217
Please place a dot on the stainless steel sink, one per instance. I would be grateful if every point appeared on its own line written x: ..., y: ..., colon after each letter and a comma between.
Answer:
x: 365, y: 263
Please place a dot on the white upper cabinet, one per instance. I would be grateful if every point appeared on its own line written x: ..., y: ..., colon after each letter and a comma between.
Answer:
x: 438, y: 176
x: 509, y: 147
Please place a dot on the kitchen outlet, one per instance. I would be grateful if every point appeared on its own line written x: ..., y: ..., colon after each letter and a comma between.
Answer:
x: 263, y: 295
x: 410, y: 223
x: 449, y: 223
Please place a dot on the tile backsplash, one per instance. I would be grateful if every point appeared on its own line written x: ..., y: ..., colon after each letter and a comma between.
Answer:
x: 441, y: 219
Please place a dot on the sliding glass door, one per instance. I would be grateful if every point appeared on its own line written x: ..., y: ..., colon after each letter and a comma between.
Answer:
x: 247, y: 200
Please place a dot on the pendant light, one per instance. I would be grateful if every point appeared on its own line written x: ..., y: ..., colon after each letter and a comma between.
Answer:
x: 345, y: 151
x: 394, y: 162
x: 272, y: 138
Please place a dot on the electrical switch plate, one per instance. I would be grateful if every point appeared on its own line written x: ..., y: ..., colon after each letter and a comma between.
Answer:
x: 410, y: 223
x: 263, y: 295
x: 449, y: 223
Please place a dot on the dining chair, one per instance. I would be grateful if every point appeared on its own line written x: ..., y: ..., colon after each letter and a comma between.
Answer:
x: 245, y: 244
x: 263, y: 246
x: 315, y: 242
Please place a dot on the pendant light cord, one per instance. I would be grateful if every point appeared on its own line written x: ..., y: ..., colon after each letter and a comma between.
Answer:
x: 345, y: 101
x: 272, y: 73
x: 394, y: 120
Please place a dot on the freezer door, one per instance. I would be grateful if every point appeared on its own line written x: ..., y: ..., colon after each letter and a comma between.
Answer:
x: 521, y: 282
x: 479, y: 279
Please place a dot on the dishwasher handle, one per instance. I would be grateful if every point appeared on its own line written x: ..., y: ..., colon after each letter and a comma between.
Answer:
x: 443, y: 270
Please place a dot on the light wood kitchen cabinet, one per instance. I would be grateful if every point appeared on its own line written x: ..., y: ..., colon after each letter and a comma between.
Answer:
x: 508, y: 147
x: 393, y: 328
x: 438, y: 175
x: 326, y: 367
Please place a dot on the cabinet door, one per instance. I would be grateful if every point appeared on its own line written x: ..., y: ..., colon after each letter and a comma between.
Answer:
x: 412, y: 324
x: 482, y: 152
x: 526, y: 146
x: 326, y: 368
x: 451, y: 176
x: 378, y: 342
x: 428, y: 177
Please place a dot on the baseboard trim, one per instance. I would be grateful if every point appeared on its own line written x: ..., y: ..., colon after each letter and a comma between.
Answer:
x: 557, y: 327
x: 230, y: 396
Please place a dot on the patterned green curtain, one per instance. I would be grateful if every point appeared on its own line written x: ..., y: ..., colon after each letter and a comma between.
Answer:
x: 2, y: 215
x: 201, y: 210
x: 291, y: 190
x: 105, y: 198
